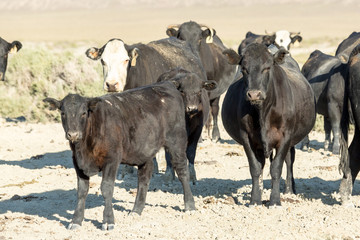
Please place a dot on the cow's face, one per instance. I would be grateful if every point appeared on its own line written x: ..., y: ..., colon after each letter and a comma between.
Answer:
x: 284, y: 38
x: 257, y: 66
x: 115, y: 61
x: 191, y: 32
x: 192, y: 89
x: 75, y: 111
x: 5, y: 49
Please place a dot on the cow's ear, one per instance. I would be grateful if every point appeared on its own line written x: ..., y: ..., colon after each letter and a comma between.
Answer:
x: 94, y: 53
x: 268, y: 39
x: 93, y: 102
x: 280, y: 55
x: 208, y: 33
x: 232, y: 56
x: 53, y: 103
x: 296, y: 38
x: 171, y: 32
x: 133, y: 56
x: 209, y: 85
x: 15, y: 47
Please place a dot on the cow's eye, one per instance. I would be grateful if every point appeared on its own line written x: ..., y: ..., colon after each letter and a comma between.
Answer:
x: 244, y: 70
x: 83, y: 114
x: 102, y: 62
x: 265, y: 70
x: 126, y: 61
x: 62, y: 114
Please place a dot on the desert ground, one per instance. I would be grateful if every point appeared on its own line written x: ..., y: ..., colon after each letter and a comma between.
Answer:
x: 38, y: 181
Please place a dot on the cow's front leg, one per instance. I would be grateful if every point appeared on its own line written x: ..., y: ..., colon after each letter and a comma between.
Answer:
x: 82, y: 192
x: 275, y: 172
x: 107, y: 190
x: 144, y: 176
x: 256, y: 164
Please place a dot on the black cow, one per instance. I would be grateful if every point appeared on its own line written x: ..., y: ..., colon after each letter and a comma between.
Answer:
x: 208, y: 46
x: 129, y: 128
x: 350, y: 161
x: 280, y: 38
x: 347, y: 45
x: 5, y: 49
x: 325, y: 74
x: 130, y: 66
x: 194, y: 92
x: 271, y: 107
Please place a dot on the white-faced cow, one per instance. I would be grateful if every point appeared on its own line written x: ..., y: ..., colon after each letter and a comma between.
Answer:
x: 280, y: 38
x: 129, y: 128
x: 271, y: 108
x: 5, y: 49
x: 208, y: 46
x: 130, y: 66
x: 194, y: 92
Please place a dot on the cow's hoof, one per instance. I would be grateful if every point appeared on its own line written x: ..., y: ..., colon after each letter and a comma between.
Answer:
x: 108, y: 227
x: 190, y: 207
x: 275, y: 206
x: 73, y: 226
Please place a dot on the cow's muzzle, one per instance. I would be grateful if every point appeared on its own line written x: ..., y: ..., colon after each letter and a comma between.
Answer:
x: 191, y: 110
x: 255, y: 96
x: 112, y: 87
x: 73, y: 136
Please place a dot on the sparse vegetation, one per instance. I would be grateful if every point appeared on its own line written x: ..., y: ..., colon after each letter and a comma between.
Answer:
x: 37, y: 72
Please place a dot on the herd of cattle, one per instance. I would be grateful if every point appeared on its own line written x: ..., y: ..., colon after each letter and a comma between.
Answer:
x: 165, y: 91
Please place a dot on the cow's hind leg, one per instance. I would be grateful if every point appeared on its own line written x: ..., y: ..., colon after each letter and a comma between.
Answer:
x: 354, y: 155
x: 107, y: 190
x: 290, y: 183
x: 215, y: 112
x: 327, y: 128
x: 83, y: 189
x: 144, y: 176
x: 179, y: 162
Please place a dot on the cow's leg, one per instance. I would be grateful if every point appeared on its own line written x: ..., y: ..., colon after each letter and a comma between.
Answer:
x: 327, y: 128
x: 191, y: 152
x: 290, y: 183
x: 82, y: 192
x: 214, y: 103
x: 144, y: 176
x: 275, y: 172
x: 107, y: 190
x: 304, y: 145
x: 179, y: 162
x: 354, y: 155
x: 256, y: 164
x: 335, y: 117
x: 169, y: 175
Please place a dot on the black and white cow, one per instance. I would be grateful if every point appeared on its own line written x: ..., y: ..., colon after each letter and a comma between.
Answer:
x: 280, y: 38
x: 208, y: 46
x: 129, y: 128
x: 271, y: 108
x: 5, y: 49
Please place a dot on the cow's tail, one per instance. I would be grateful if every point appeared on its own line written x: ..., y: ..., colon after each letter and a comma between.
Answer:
x: 344, y: 165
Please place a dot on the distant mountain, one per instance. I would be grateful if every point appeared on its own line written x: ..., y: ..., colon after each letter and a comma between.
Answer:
x: 46, y: 5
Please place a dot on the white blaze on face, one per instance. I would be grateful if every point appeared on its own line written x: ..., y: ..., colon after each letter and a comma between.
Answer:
x: 283, y: 39
x: 115, y: 61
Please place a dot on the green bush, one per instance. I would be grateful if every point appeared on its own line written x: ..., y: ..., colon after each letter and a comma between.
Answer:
x: 38, y: 71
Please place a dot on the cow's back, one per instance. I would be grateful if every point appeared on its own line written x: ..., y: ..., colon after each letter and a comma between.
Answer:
x: 145, y: 118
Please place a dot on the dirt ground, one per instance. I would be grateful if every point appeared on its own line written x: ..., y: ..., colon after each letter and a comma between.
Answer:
x: 38, y: 182
x: 38, y: 195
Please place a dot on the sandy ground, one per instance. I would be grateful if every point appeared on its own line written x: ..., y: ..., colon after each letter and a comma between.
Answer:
x: 38, y: 195
x: 38, y: 182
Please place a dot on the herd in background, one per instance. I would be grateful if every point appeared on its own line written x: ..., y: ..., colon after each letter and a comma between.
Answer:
x: 165, y: 91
